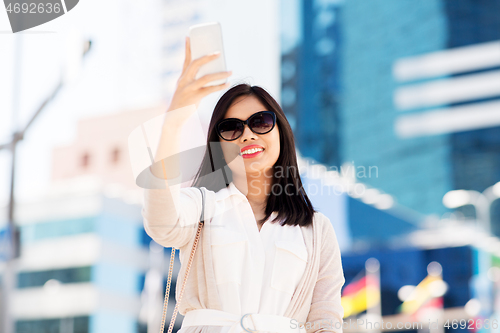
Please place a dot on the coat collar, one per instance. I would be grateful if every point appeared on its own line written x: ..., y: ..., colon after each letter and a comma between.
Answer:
x: 230, y: 190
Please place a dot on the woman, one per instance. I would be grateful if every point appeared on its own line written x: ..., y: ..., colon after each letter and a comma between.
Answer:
x: 267, y: 261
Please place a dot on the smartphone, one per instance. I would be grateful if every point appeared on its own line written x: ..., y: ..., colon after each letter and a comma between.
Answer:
x: 205, y: 39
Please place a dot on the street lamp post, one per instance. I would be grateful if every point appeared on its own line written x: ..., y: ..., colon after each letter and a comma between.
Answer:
x: 481, y: 202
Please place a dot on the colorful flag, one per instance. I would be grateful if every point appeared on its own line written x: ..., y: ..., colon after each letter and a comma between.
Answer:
x: 433, y: 304
x: 423, y: 296
x: 359, y: 295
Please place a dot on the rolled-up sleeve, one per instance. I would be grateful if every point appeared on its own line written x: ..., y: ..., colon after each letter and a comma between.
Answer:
x: 171, y: 219
x: 326, y: 312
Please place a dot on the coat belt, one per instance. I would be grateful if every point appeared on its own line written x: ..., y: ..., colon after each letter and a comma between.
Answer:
x: 253, y: 322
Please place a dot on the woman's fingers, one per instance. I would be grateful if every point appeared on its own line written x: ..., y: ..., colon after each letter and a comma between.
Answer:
x: 195, y: 65
x: 187, y: 59
x: 209, y: 78
x: 190, y: 91
x: 210, y: 89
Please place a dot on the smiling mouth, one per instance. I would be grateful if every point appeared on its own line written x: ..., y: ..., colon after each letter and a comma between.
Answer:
x: 250, y: 154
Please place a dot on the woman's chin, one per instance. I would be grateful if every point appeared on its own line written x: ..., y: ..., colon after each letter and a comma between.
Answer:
x: 249, y: 168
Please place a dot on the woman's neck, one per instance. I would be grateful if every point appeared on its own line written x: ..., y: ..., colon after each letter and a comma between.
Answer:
x: 256, y: 187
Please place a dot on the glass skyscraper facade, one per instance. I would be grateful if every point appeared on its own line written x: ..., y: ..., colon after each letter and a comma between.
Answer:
x: 345, y: 93
x: 310, y: 85
x: 476, y: 153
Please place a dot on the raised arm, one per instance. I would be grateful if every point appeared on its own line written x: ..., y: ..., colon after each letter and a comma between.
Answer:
x: 171, y: 213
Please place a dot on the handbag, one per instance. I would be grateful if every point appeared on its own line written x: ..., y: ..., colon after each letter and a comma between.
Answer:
x: 172, y: 258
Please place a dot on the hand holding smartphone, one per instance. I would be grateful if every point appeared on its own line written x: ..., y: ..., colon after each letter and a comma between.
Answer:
x: 203, y: 72
x: 206, y: 39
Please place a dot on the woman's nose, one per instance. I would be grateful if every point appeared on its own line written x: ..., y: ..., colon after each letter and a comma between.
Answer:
x: 247, y: 133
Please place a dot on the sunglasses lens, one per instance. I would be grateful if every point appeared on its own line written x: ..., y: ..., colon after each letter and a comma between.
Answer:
x: 230, y: 130
x: 262, y: 123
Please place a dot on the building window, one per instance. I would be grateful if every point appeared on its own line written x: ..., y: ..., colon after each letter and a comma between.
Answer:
x: 37, y: 231
x: 67, y: 275
x: 115, y: 156
x: 325, y: 46
x: 288, y: 96
x: 70, y: 324
x: 85, y: 160
x: 288, y: 69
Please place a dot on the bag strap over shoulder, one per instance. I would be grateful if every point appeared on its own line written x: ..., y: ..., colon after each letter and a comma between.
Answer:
x: 202, y: 217
x: 172, y: 258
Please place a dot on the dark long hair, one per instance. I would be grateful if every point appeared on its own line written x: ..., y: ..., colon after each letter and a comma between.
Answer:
x: 293, y: 207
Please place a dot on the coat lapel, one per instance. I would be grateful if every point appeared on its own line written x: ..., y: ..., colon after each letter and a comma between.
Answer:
x: 301, y: 300
x: 214, y: 301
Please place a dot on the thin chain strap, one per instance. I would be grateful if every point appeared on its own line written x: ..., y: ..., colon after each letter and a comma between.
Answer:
x: 172, y: 257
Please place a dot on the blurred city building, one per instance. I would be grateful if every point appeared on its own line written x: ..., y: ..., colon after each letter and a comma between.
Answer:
x: 470, y: 266
x: 413, y: 90
x: 369, y: 225
x: 83, y: 259
x: 411, y: 87
x: 101, y: 148
x: 84, y: 251
x: 310, y: 76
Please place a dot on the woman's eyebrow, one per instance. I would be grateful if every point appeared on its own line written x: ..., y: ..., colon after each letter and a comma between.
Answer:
x: 244, y: 119
x: 235, y: 118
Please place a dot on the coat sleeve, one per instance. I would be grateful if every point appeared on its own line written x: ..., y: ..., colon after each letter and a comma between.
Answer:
x: 326, y: 312
x: 171, y: 219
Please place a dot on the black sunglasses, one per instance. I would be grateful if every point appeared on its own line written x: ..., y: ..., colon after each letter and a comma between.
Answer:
x: 261, y: 122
